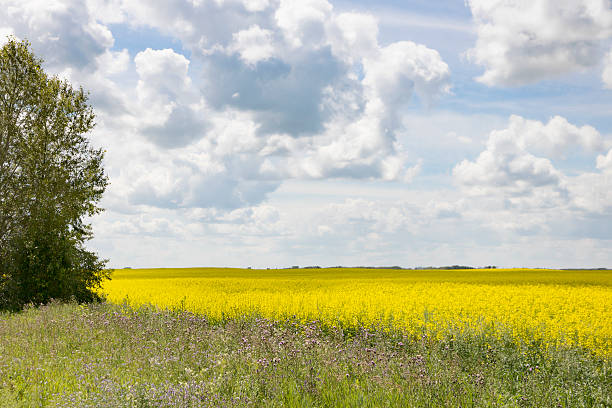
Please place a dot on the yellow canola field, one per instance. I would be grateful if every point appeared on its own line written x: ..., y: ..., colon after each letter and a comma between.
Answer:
x: 555, y: 307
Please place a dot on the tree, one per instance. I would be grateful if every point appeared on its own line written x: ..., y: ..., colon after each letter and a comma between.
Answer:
x: 51, y: 179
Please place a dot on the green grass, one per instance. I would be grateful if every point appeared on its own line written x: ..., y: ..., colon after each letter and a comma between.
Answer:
x: 104, y: 355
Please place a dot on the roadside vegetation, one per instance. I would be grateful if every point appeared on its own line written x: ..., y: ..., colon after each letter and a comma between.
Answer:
x: 105, y: 355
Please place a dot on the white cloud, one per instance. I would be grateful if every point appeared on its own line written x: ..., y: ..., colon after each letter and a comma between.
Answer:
x: 248, y: 152
x: 253, y: 44
x: 516, y: 171
x: 303, y: 21
x: 604, y: 163
x: 74, y: 44
x: 592, y: 193
x: 256, y: 5
x: 113, y: 62
x: 402, y: 68
x: 63, y: 32
x: 203, y: 140
x: 5, y: 32
x: 606, y: 76
x: 170, y: 112
x: 365, y: 146
x: 218, y: 170
x: 523, y: 41
x: 163, y: 65
x: 508, y: 165
x: 106, y: 11
x: 354, y: 36
x: 376, y: 231
x: 555, y: 138
x: 344, y: 124
x: 162, y: 79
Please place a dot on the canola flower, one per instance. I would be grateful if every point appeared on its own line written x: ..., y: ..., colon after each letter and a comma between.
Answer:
x: 545, y: 306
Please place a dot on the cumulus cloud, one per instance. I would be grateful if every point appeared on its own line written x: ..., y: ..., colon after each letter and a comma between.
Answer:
x: 256, y: 5
x: 285, y: 95
x: 592, y: 193
x: 354, y: 36
x: 604, y: 162
x: 64, y: 32
x: 509, y: 165
x: 287, y: 89
x: 555, y: 138
x: 606, y: 76
x: 170, y: 110
x: 113, y: 62
x: 200, y: 26
x: 523, y: 41
x: 303, y: 21
x: 402, y: 68
x: 258, y: 94
x: 106, y: 11
x: 364, y: 145
x: 219, y: 170
x: 253, y: 44
x: 522, y: 177
x: 345, y: 122
x: 75, y: 44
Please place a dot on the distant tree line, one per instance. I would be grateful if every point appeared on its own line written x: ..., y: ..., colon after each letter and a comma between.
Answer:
x: 393, y: 267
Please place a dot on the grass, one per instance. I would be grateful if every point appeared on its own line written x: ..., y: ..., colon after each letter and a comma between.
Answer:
x: 105, y: 355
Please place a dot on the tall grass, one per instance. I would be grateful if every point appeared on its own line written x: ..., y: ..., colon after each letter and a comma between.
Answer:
x: 105, y: 355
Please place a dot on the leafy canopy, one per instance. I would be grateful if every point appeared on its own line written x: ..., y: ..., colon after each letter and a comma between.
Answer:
x: 51, y: 179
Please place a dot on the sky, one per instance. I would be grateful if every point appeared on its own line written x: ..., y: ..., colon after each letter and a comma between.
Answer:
x: 272, y: 133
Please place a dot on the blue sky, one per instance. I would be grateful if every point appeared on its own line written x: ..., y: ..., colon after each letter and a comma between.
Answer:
x: 269, y: 133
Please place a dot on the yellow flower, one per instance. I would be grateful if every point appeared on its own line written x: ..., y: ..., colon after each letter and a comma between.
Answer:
x: 553, y: 307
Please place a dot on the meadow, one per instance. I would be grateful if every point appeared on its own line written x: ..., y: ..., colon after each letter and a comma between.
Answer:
x: 317, y: 338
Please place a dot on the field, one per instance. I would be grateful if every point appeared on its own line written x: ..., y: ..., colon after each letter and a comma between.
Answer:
x: 317, y: 338
x: 552, y: 308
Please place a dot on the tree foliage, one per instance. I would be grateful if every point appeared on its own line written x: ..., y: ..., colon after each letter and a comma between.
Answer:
x: 51, y: 180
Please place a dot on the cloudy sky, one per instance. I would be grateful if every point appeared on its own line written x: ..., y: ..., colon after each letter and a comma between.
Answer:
x: 270, y: 133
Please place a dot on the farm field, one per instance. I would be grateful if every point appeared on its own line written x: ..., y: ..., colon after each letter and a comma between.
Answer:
x: 207, y: 337
x: 548, y: 307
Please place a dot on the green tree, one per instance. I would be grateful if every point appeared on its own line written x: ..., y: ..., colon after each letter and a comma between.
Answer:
x: 51, y: 180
